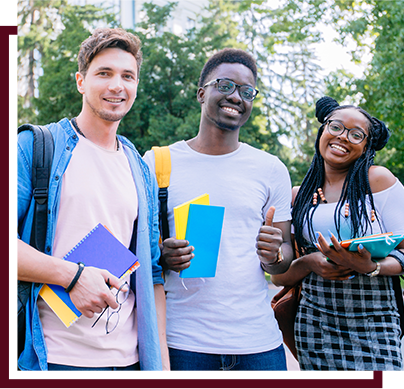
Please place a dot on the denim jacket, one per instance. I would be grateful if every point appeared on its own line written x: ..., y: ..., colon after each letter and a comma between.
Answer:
x: 34, y: 356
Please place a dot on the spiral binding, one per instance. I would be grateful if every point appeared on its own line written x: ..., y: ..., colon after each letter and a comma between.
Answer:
x: 78, y: 244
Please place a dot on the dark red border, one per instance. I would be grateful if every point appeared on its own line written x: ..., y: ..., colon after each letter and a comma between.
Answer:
x: 8, y: 34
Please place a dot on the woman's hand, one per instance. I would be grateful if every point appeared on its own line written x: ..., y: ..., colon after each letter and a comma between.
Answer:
x: 319, y: 264
x: 359, y: 261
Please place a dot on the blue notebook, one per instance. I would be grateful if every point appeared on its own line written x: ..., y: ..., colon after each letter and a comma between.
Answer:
x: 378, y: 246
x: 204, y: 231
x: 99, y: 248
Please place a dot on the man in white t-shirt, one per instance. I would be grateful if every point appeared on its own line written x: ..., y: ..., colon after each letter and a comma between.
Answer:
x: 226, y: 322
x: 96, y: 177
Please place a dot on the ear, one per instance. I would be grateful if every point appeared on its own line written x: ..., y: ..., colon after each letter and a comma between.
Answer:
x: 200, y: 95
x: 80, y: 82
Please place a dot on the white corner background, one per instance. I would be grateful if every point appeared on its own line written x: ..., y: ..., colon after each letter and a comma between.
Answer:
x: 7, y: 15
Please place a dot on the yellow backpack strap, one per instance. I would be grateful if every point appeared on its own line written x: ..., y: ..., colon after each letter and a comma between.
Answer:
x: 162, y: 159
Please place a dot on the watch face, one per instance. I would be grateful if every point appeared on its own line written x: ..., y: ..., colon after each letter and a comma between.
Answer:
x: 280, y: 255
x: 375, y: 272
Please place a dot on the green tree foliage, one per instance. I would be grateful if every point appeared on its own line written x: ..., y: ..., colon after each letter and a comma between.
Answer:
x: 55, y: 30
x: 58, y: 95
x: 229, y: 20
x: 38, y: 26
x: 166, y: 109
x: 281, y: 38
x: 377, y: 26
x: 383, y: 86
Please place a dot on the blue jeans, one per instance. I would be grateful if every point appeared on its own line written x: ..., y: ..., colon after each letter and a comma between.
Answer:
x: 54, y: 366
x: 188, y: 360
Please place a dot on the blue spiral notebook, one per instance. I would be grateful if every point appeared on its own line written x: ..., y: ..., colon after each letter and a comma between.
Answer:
x: 204, y: 232
x: 99, y: 248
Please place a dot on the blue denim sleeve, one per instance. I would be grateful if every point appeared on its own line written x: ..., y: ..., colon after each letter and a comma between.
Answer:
x: 155, y: 235
x: 24, y: 183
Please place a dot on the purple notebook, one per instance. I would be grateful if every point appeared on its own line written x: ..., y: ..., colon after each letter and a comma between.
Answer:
x: 99, y: 248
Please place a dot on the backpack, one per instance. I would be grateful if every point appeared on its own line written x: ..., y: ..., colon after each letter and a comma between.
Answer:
x: 398, y: 293
x: 42, y: 157
x: 162, y: 159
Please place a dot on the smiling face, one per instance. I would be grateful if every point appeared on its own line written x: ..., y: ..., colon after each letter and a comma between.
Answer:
x: 338, y: 151
x: 226, y: 112
x: 110, y: 85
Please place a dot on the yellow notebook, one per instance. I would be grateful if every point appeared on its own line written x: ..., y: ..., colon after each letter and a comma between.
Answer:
x: 181, y: 214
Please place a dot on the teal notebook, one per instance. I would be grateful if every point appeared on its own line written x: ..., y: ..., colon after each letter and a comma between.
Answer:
x: 204, y: 231
x: 379, y: 246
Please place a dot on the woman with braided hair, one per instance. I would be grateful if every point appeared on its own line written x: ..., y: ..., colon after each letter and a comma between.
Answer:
x: 348, y: 317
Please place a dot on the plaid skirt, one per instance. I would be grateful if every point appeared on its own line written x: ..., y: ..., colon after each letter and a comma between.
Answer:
x: 348, y: 325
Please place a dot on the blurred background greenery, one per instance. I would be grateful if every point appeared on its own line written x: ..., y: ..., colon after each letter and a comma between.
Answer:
x: 281, y: 34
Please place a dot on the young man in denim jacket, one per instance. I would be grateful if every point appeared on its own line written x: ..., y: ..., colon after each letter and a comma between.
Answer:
x: 96, y: 177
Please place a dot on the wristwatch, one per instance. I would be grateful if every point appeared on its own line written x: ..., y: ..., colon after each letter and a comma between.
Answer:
x: 375, y: 272
x: 280, y: 256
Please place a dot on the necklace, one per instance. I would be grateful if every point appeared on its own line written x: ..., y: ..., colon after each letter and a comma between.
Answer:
x: 346, y: 213
x: 76, y: 126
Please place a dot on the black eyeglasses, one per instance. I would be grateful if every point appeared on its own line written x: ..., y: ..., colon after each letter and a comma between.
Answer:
x: 355, y: 135
x: 227, y: 87
x: 113, y: 317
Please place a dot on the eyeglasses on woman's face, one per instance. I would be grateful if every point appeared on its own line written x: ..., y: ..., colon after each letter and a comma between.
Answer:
x: 354, y: 135
x: 227, y: 87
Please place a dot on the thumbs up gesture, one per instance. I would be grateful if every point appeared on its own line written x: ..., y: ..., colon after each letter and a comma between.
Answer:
x: 269, y: 240
x: 269, y: 217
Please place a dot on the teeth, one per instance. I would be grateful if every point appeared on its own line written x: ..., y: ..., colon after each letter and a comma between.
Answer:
x: 230, y: 110
x: 114, y: 100
x: 344, y: 150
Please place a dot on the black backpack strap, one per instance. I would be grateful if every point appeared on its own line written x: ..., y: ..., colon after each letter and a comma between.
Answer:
x: 163, y: 197
x: 42, y: 156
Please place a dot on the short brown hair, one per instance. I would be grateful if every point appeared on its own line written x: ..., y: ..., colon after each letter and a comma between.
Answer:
x: 105, y: 38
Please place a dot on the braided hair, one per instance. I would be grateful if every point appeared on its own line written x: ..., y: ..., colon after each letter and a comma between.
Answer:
x: 356, y: 185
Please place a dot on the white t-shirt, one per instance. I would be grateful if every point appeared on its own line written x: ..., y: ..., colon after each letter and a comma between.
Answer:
x: 389, y: 206
x: 230, y: 313
x: 97, y: 187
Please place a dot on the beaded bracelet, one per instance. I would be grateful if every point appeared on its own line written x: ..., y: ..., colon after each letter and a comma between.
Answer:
x: 76, y: 277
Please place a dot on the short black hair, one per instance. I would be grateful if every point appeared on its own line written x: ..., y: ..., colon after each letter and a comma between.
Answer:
x: 228, y: 55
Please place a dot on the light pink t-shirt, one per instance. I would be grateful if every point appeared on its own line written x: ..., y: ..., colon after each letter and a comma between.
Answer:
x: 97, y: 187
